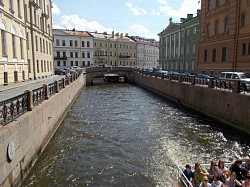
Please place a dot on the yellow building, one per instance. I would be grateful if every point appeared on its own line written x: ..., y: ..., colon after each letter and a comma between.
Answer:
x: 13, y: 53
x: 38, y: 18
x: 114, y: 49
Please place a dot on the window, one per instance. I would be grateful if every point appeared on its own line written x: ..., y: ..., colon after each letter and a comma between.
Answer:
x: 243, y: 20
x: 249, y: 48
x: 58, y: 63
x: 63, y: 43
x: 83, y: 55
x: 19, y: 8
x: 71, y: 43
x: 21, y: 48
x: 88, y: 55
x: 227, y: 24
x: 58, y: 54
x: 64, y: 63
x: 37, y: 66
x: 244, y: 48
x: 224, y: 54
x: 216, y: 27
x: 217, y: 3
x: 214, y: 55
x: 36, y: 43
x: 209, y: 5
x: 205, y: 56
x: 83, y: 44
x: 64, y: 54
x: 110, y: 45
x: 76, y: 43
x: 71, y: 54
x: 57, y: 42
x: 76, y: 63
x: 88, y: 44
x: 100, y: 44
x: 4, y: 44
x: 76, y: 54
x: 71, y: 63
x: 11, y: 6
x: 208, y: 29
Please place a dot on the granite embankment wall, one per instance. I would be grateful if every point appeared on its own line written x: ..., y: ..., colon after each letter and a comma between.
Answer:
x: 31, y: 132
x: 228, y: 107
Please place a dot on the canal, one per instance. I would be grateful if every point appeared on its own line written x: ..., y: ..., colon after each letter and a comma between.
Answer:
x: 122, y: 135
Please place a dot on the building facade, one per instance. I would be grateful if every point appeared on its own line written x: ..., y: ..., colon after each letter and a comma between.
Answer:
x: 114, y: 49
x: 147, y: 52
x: 179, y: 45
x: 39, y: 38
x: 225, y: 36
x: 13, y: 53
x: 72, y: 48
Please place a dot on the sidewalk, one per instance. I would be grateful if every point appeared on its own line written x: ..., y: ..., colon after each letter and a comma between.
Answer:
x: 15, y: 89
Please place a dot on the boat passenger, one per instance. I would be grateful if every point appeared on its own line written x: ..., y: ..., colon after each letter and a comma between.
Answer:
x: 246, y: 164
x: 189, y: 174
x: 232, y: 181
x: 222, y: 169
x: 240, y: 172
x: 213, y: 170
x: 216, y: 182
x: 205, y: 182
x: 199, y: 173
x: 246, y: 182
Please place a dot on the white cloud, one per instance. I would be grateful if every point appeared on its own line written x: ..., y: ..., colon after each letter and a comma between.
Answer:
x: 136, y: 11
x: 186, y: 7
x: 140, y: 29
x: 74, y: 21
x: 155, y: 12
x: 55, y: 9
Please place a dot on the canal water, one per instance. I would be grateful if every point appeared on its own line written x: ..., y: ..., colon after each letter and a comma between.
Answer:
x: 122, y: 135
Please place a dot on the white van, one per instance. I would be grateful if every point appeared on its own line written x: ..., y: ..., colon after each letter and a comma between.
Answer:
x: 236, y: 76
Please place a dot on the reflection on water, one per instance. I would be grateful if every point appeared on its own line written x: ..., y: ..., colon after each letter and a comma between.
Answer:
x: 122, y: 135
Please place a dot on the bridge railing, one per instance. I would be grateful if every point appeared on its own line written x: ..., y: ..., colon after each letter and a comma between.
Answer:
x: 12, y: 108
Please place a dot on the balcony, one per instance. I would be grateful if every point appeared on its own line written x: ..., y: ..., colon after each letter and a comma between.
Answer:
x: 102, y: 56
x: 60, y: 58
x: 124, y: 56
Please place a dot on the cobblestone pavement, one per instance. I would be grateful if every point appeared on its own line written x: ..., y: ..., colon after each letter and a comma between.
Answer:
x: 15, y: 89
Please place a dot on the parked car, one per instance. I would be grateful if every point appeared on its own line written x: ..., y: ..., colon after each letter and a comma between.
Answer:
x: 59, y: 71
x: 71, y: 71
x: 77, y: 68
x: 202, y: 78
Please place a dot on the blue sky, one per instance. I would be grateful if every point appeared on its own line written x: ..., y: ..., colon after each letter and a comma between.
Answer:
x: 145, y: 18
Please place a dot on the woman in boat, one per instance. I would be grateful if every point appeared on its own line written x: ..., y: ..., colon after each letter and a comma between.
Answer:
x: 199, y: 173
x: 216, y: 182
x: 205, y: 182
x: 232, y: 181
x: 246, y: 183
x: 212, y: 171
x: 222, y: 169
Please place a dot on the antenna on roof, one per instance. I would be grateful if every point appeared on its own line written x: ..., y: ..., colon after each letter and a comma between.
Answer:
x: 73, y: 29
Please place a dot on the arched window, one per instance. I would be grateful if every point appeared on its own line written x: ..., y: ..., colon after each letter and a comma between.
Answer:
x: 208, y: 5
x: 217, y: 3
x: 216, y: 27
x: 205, y: 55
x: 208, y: 29
x: 227, y: 24
x: 244, y: 48
x: 243, y: 20
x: 214, y: 55
x: 224, y: 54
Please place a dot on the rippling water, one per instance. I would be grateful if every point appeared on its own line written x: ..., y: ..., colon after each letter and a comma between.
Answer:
x: 123, y: 135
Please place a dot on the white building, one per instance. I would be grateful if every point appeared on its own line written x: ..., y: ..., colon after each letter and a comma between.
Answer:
x: 72, y: 48
x: 147, y: 52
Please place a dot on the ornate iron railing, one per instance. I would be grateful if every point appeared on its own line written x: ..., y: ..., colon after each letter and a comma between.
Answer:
x: 13, y: 108
x: 52, y: 88
x: 38, y: 95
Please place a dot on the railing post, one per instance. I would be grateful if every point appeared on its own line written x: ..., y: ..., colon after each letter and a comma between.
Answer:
x: 30, y: 100
x: 162, y: 76
x: 236, y: 84
x: 180, y: 78
x: 57, y: 86
x: 170, y: 76
x: 210, y: 82
x: 63, y: 82
x: 192, y: 80
x: 46, y: 91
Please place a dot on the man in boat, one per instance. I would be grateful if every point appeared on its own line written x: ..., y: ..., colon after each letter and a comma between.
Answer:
x: 189, y: 174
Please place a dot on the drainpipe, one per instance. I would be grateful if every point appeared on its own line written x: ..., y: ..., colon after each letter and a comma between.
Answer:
x: 236, y: 36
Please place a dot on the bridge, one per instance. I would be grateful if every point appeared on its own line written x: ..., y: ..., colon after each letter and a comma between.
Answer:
x: 98, y: 72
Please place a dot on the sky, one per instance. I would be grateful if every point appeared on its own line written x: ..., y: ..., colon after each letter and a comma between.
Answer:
x: 145, y: 18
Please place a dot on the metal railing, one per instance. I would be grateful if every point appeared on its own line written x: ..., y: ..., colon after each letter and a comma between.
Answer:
x: 12, y: 108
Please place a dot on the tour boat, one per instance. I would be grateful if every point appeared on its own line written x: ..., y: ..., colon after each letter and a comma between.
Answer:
x: 110, y: 77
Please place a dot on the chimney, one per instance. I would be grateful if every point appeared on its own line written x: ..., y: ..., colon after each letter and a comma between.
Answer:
x: 126, y: 35
x: 198, y: 12
x: 189, y: 16
x: 117, y: 34
x: 182, y: 20
x: 105, y: 32
x: 113, y: 34
x: 121, y: 35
